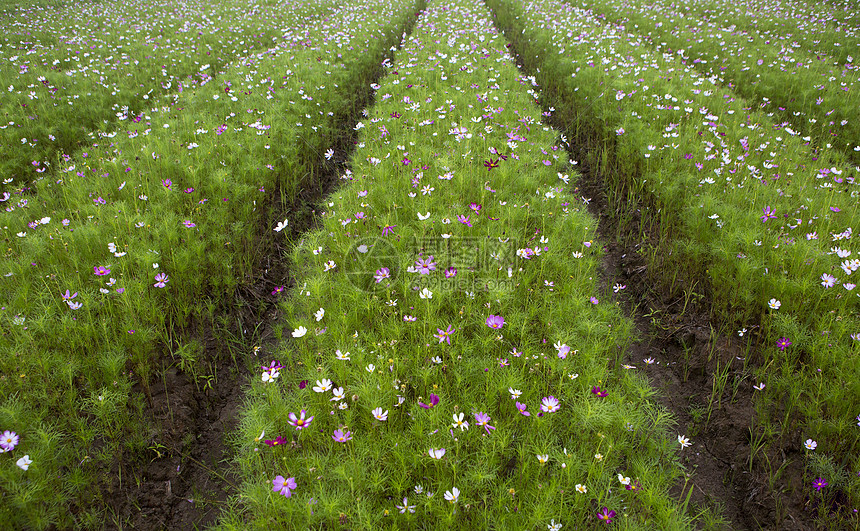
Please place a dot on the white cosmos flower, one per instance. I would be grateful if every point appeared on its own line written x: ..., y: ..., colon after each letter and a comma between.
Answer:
x: 452, y: 495
x: 378, y: 414
x: 300, y: 331
x: 319, y: 314
x: 426, y: 294
x: 24, y: 462
x: 282, y: 225
x: 322, y: 386
x: 437, y: 454
x: 424, y: 216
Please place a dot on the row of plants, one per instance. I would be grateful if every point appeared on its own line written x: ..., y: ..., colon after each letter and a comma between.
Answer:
x: 763, y: 221
x: 811, y: 92
x: 448, y: 359
x: 818, y: 27
x: 68, y: 73
x: 144, y: 234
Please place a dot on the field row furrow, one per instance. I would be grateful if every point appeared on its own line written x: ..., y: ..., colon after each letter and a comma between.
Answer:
x: 452, y: 358
x: 742, y: 206
x: 106, y: 267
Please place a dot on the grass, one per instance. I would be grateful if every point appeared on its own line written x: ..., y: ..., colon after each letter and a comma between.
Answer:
x: 184, y: 196
x: 149, y: 151
x: 371, y: 361
x: 667, y: 135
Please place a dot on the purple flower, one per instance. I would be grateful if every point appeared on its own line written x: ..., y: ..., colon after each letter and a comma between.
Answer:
x: 490, y: 164
x: 451, y: 272
x: 782, y: 343
x: 606, y: 515
x: 475, y: 207
x: 167, y: 183
x: 444, y: 335
x: 425, y: 265
x: 464, y: 220
x: 550, y: 404
x: 769, y: 213
x: 274, y: 366
x: 161, y: 280
x: 189, y: 224
x: 434, y: 399
x: 495, y: 322
x: 8, y: 441
x: 482, y: 419
x: 101, y: 271
x: 277, y: 442
x: 388, y: 229
x: 278, y: 289
x: 596, y: 390
x: 341, y: 435
x: 284, y: 486
x: 299, y: 422
x: 67, y: 297
x: 381, y: 274
x: 819, y: 483
x: 522, y: 409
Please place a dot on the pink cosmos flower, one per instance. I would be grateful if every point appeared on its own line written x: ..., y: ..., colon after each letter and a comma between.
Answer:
x: 444, y: 335
x: 284, y: 486
x: 161, y: 280
x: 8, y: 441
x: 495, y: 322
x: 482, y: 419
x: 342, y: 436
x: 101, y: 271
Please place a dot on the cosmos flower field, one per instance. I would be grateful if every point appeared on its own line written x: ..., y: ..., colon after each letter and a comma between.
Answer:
x: 400, y: 194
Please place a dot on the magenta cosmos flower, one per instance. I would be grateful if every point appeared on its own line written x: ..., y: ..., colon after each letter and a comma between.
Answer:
x: 284, y: 486
x: 522, y: 409
x: 101, y: 270
x: 596, y: 390
x: 606, y: 515
x: 300, y: 422
x: 434, y: 399
x: 277, y: 442
x: 495, y: 322
x: 782, y: 343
